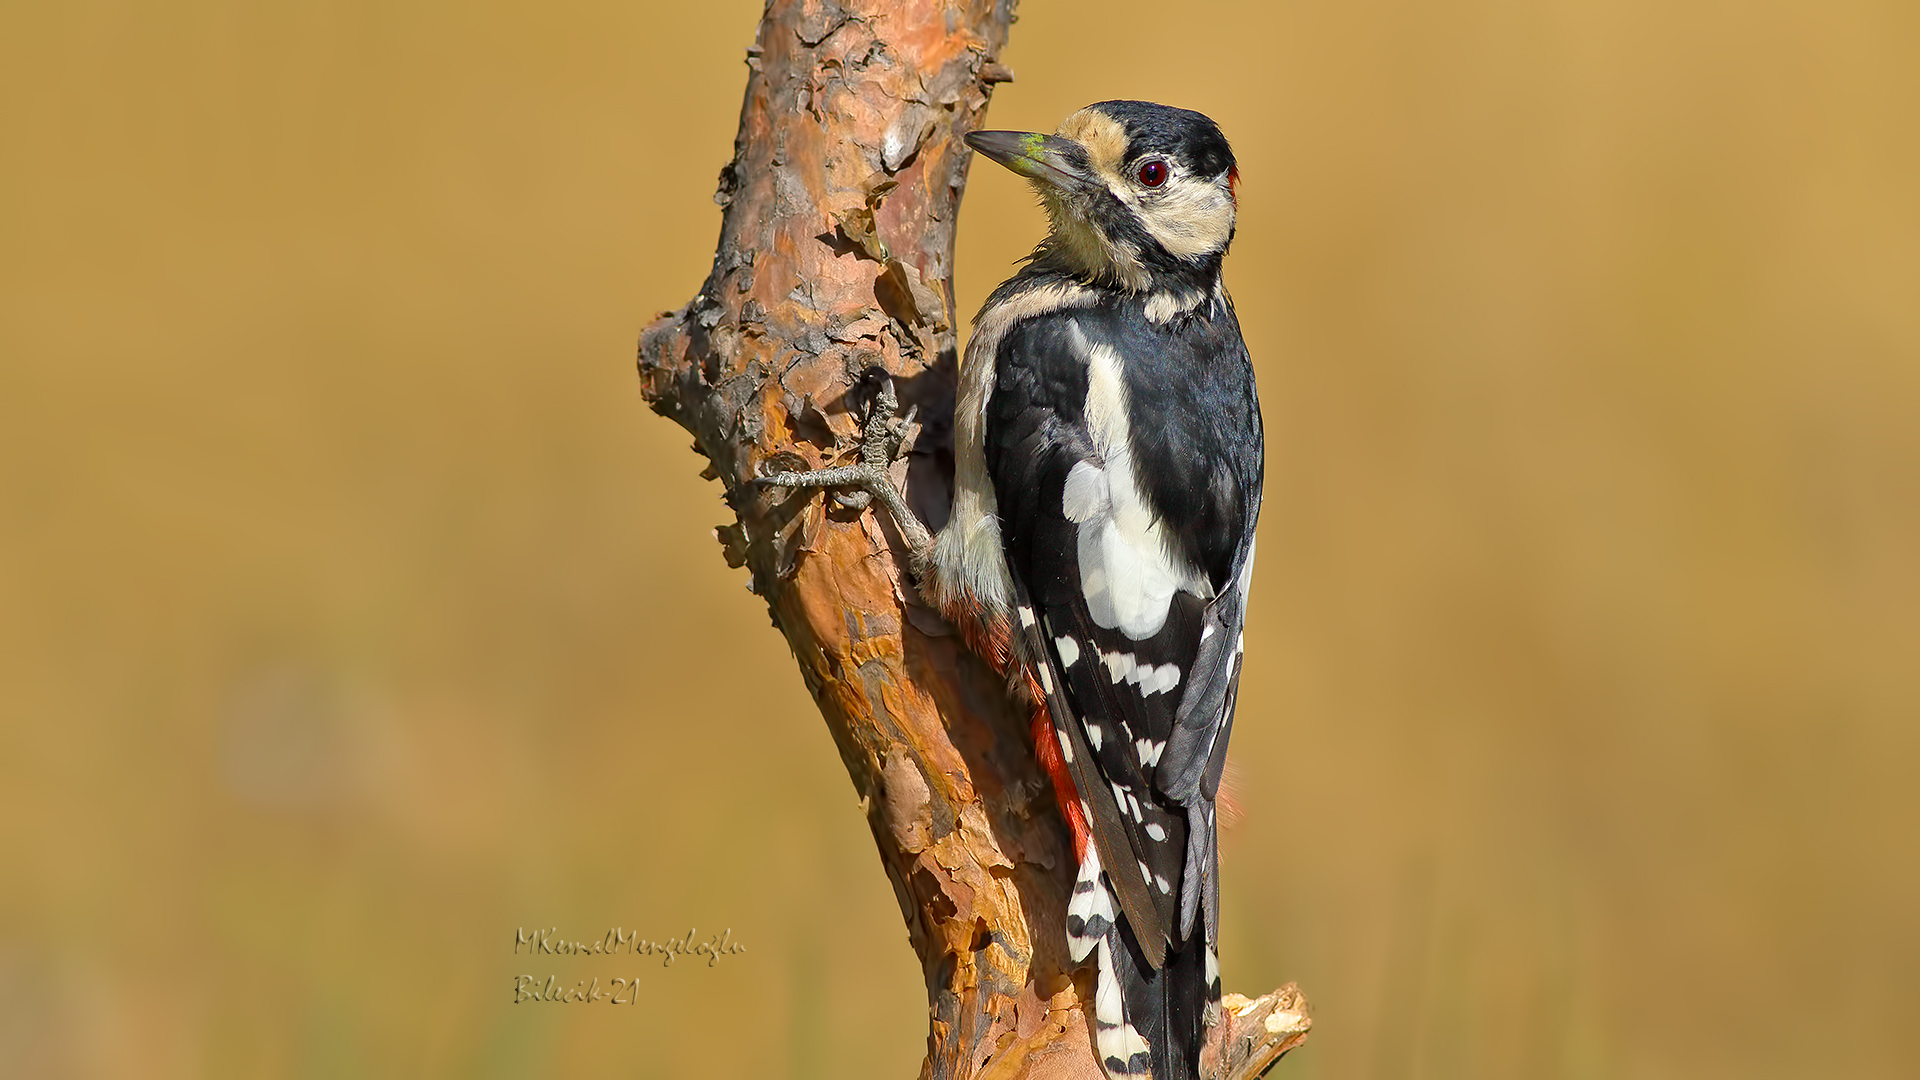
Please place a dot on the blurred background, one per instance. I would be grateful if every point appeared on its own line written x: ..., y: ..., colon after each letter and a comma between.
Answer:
x: 355, y: 613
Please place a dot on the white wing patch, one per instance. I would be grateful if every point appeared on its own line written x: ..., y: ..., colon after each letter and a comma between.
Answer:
x: 1149, y: 679
x: 1069, y: 650
x: 1191, y: 216
x: 1128, y: 571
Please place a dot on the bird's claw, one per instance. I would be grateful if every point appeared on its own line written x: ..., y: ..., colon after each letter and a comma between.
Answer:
x: 885, y: 438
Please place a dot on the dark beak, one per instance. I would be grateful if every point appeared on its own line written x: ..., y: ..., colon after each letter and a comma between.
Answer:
x: 1046, y: 158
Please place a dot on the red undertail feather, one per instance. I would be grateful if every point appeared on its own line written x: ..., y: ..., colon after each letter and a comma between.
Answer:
x: 1047, y: 747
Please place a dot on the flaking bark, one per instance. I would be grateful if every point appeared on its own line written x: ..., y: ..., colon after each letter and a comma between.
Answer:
x: 834, y: 268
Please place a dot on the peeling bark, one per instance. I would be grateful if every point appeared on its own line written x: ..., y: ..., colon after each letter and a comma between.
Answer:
x: 834, y: 267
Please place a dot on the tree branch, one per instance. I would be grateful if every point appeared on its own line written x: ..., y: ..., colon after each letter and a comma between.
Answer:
x: 834, y: 267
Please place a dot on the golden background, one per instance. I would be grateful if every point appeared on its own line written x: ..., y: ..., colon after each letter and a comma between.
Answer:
x: 355, y: 612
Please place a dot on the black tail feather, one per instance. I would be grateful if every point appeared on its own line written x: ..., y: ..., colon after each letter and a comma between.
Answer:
x: 1168, y: 1007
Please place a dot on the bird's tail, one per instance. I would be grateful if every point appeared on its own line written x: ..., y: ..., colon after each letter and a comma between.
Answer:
x: 1146, y: 1023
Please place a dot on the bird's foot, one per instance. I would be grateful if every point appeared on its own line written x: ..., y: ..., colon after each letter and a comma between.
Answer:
x: 884, y: 439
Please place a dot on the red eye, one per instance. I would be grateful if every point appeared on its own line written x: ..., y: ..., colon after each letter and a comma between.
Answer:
x: 1153, y: 173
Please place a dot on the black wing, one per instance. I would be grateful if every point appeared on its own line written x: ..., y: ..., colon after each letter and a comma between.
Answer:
x: 1126, y: 464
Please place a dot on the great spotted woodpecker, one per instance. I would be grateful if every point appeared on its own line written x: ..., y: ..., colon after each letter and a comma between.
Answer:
x: 1108, y: 453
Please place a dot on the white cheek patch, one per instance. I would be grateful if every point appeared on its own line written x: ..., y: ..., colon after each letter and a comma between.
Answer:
x: 1191, y: 217
x: 1128, y: 570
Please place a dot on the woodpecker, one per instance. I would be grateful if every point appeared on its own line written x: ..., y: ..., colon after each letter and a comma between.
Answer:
x: 1108, y: 464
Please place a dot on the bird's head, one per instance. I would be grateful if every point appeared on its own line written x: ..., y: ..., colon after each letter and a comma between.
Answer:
x: 1137, y: 194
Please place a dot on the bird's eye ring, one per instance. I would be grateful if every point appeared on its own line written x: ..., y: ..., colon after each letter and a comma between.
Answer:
x: 1153, y: 173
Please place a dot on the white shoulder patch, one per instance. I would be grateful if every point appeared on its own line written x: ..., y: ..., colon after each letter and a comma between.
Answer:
x: 1128, y: 571
x: 1085, y: 497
